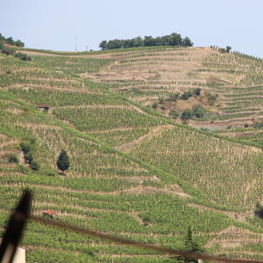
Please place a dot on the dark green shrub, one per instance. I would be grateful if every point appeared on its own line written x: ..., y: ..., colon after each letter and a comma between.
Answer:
x: 47, y: 171
x: 63, y: 161
x: 197, y: 91
x: 259, y: 210
x: 23, y: 57
x: 10, y: 41
x: 228, y: 48
x: 187, y: 115
x: 34, y: 165
x: 25, y: 147
x: 155, y: 106
x: 198, y: 111
x: 174, y: 114
x: 161, y: 100
x: 187, y: 42
x: 174, y: 97
x: 7, y: 51
x: 19, y: 43
x: 186, y: 95
x: 12, y: 158
x: 211, y: 98
x: 28, y: 157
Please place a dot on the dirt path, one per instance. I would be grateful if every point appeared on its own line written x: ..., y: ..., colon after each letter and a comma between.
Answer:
x: 39, y: 126
x: 122, y: 129
x: 223, y: 124
x: 241, y: 217
x: 8, y: 165
x: 239, y: 237
x: 172, y: 189
x: 244, y: 133
x: 6, y: 153
x: 36, y: 53
x: 155, y: 131
x: 38, y: 210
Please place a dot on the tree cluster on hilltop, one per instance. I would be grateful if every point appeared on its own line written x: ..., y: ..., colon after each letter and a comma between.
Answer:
x: 173, y: 39
x: 11, y: 51
x: 11, y: 41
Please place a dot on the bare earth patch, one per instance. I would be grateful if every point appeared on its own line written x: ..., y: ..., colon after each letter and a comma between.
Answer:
x: 173, y: 189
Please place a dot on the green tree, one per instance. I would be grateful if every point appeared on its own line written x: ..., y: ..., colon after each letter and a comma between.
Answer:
x: 28, y: 157
x: 191, y: 246
x: 10, y: 41
x: 186, y: 115
x: 174, y: 114
x: 34, y: 165
x: 115, y: 43
x: 149, y: 41
x: 103, y: 44
x: 259, y: 210
x: 197, y: 91
x: 187, y: 42
x: 63, y: 161
x: 23, y: 56
x: 137, y: 42
x: 186, y: 95
x: 198, y: 111
x: 228, y: 48
x: 175, y: 39
x: 174, y: 96
x: 25, y: 147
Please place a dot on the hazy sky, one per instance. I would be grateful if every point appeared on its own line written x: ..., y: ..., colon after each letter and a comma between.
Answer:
x: 57, y: 24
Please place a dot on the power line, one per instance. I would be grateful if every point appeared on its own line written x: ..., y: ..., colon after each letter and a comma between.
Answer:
x: 137, y: 244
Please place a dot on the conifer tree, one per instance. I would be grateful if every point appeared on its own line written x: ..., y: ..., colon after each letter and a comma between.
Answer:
x: 63, y: 161
x: 191, y: 246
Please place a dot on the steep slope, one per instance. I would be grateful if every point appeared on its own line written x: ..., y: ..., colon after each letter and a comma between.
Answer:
x: 230, y: 83
x: 151, y: 193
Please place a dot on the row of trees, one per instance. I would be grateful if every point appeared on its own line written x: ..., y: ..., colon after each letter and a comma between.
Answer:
x: 11, y: 41
x: 11, y: 51
x: 29, y: 148
x: 173, y: 39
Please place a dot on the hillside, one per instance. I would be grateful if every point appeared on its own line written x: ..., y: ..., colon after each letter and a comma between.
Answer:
x: 134, y: 172
x: 230, y: 83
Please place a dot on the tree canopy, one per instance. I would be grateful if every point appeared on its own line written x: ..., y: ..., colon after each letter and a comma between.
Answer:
x: 63, y: 161
x: 191, y: 246
x: 11, y: 41
x: 11, y: 51
x: 173, y: 39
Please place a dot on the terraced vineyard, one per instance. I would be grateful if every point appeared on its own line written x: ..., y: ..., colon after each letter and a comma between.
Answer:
x: 134, y: 173
x: 231, y: 83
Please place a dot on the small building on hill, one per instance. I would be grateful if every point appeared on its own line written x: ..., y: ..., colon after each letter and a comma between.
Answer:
x: 50, y: 213
x: 44, y: 108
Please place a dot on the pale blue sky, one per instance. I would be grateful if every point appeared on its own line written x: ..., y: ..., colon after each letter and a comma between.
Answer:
x: 54, y: 24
